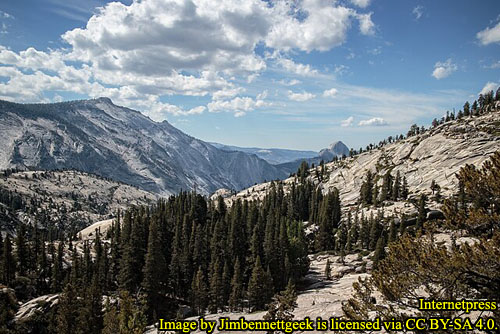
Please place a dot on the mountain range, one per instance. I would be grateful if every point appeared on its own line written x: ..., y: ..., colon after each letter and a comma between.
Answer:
x: 96, y: 136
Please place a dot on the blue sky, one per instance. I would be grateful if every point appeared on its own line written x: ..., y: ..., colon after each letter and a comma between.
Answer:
x: 290, y: 74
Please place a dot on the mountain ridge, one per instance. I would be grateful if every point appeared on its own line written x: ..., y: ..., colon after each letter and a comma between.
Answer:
x: 99, y: 137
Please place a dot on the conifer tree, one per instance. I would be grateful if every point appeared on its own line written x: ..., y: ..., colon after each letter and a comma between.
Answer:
x: 282, y: 305
x: 154, y: 269
x: 392, y: 232
x: 404, y: 189
x: 236, y: 288
x: 22, y: 251
x: 379, y: 251
x: 256, y: 286
x: 8, y: 262
x: 396, y: 189
x: 199, y: 293
x: 421, y: 211
x: 216, y: 293
x: 67, y: 313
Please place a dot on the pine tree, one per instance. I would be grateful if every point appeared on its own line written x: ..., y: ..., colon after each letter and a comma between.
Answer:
x: 199, y: 293
x: 392, y: 232
x: 216, y: 288
x: 366, y: 189
x: 22, y: 251
x: 379, y: 251
x: 421, y: 211
x: 236, y: 288
x: 282, y: 306
x: 67, y: 313
x: 396, y: 190
x: 154, y: 270
x: 256, y: 286
x: 8, y: 263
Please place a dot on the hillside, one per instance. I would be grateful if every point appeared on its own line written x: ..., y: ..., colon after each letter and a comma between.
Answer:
x: 65, y: 200
x: 98, y: 137
x: 435, y: 155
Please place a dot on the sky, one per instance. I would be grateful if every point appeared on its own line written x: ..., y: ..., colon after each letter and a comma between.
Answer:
x: 287, y: 74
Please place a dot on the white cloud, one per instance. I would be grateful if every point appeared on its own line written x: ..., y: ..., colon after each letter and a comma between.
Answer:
x: 341, y: 69
x: 444, y: 69
x: 376, y: 121
x: 299, y: 69
x: 360, y: 3
x: 138, y: 54
x: 330, y: 92
x: 238, y: 105
x: 5, y: 15
x: 490, y: 86
x: 300, y: 97
x: 489, y: 35
x: 494, y: 65
x: 418, y: 12
x: 292, y: 82
x: 322, y: 28
x: 227, y: 93
x: 366, y: 25
x: 347, y: 122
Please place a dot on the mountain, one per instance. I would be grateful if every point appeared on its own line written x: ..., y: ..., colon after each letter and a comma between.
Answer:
x: 274, y: 156
x: 98, y: 137
x: 336, y: 149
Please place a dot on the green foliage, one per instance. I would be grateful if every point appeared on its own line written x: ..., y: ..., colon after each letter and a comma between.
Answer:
x: 282, y: 305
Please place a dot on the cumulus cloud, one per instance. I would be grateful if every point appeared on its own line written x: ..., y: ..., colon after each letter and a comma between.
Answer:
x: 376, y: 121
x: 418, y: 12
x: 360, y: 3
x: 300, y: 97
x: 150, y: 49
x: 324, y: 26
x: 297, y: 68
x: 490, y: 86
x: 239, y: 105
x: 330, y: 92
x: 444, y: 69
x: 347, y: 122
x: 489, y: 35
x: 366, y: 25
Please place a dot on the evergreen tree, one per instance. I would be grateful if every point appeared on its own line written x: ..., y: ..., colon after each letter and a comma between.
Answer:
x: 421, y: 211
x: 22, y: 251
x: 8, y: 262
x: 236, y: 288
x: 282, y: 306
x: 154, y: 270
x: 392, y: 232
x: 199, y: 293
x: 257, y: 297
x: 396, y: 190
x: 366, y: 189
x: 379, y: 251
x: 67, y: 313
